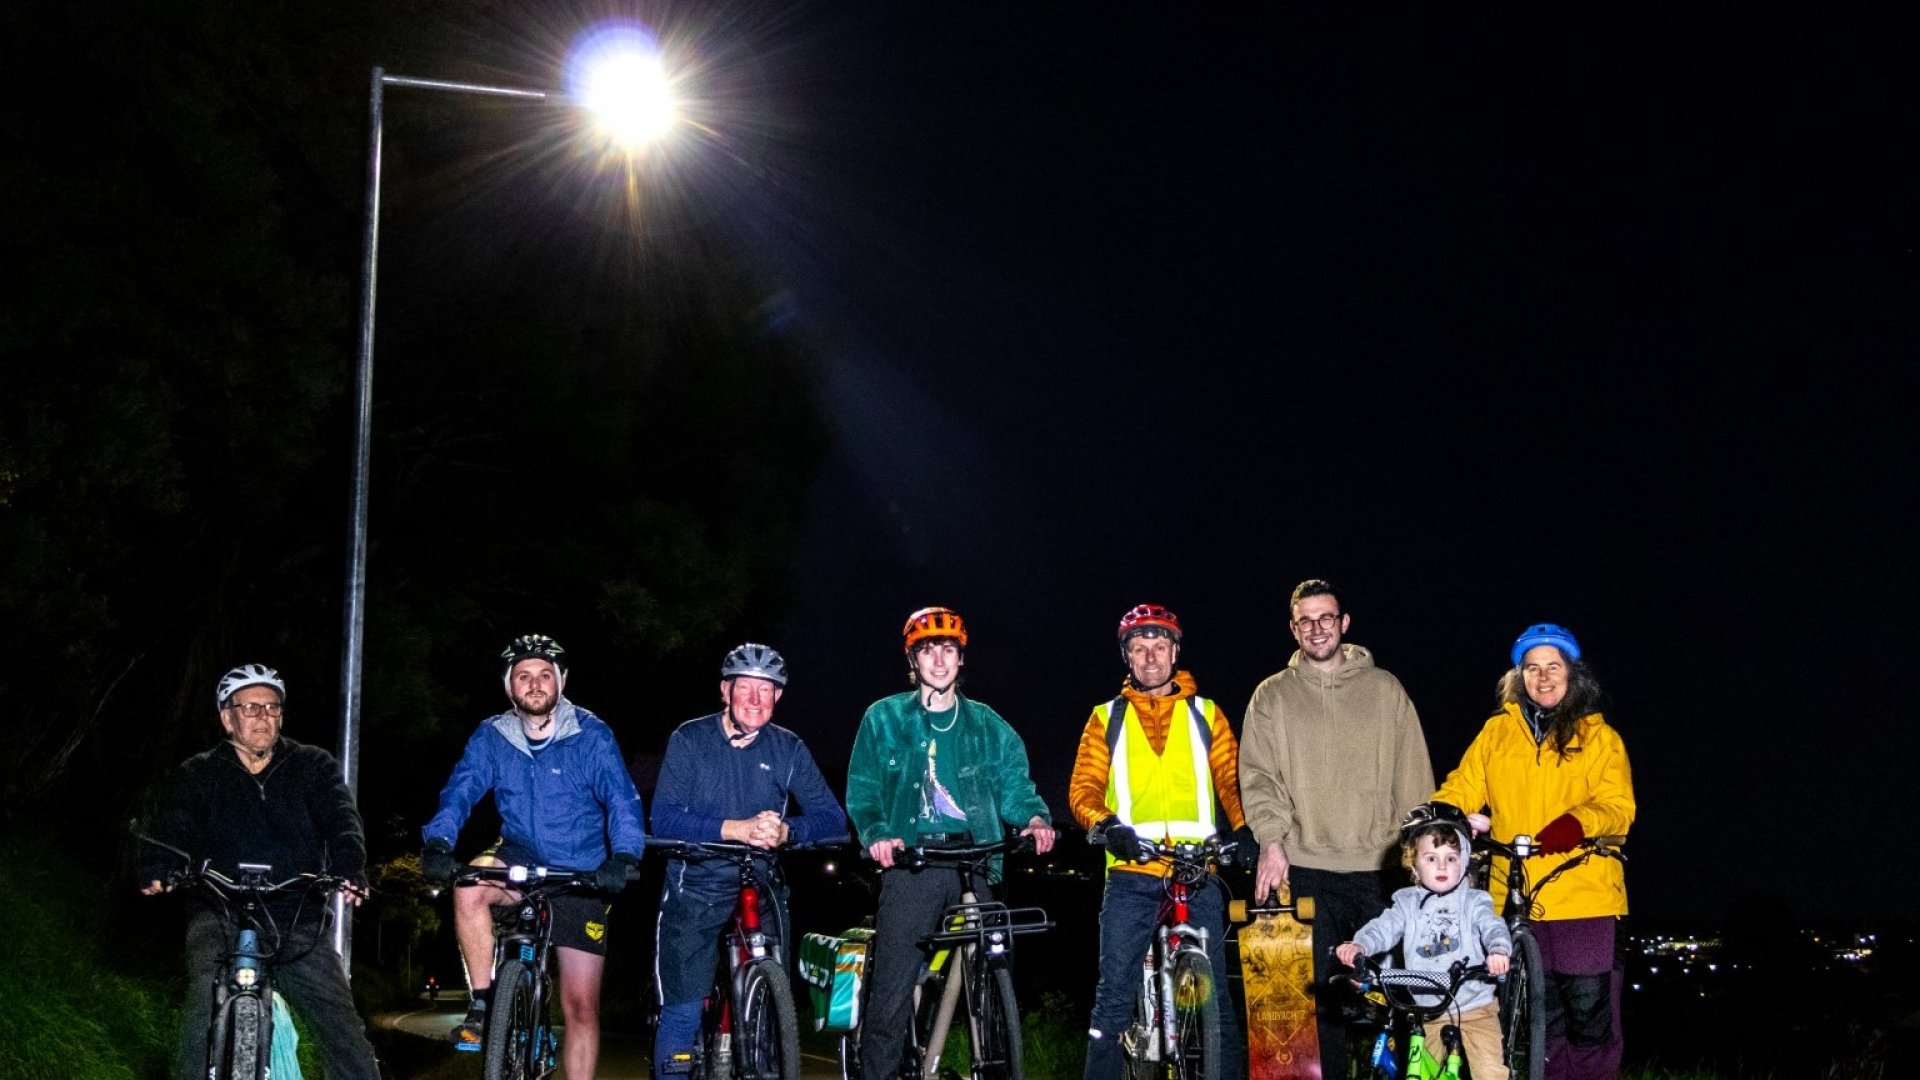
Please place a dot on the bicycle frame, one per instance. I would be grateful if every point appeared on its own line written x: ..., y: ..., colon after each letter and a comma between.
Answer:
x: 1398, y: 993
x: 522, y: 942
x: 1155, y: 1035
x: 969, y: 953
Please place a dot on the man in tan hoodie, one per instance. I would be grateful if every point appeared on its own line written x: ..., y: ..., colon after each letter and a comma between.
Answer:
x: 1331, y: 755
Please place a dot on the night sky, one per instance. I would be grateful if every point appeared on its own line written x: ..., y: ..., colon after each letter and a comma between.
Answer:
x: 1605, y: 323
x: 1603, y: 318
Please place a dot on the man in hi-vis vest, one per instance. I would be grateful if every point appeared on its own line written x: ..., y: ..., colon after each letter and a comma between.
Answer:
x: 1153, y: 763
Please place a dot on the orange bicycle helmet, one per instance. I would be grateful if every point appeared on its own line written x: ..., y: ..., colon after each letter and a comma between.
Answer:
x: 1149, y: 619
x: 934, y: 622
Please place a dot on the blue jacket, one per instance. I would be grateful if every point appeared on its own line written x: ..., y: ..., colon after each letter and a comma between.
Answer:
x: 705, y: 780
x: 566, y: 804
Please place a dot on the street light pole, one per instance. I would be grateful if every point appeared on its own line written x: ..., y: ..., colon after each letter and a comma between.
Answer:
x: 354, y: 630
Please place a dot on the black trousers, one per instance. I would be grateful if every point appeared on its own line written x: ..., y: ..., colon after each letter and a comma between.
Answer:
x: 308, y: 974
x: 911, y: 903
x: 1344, y: 901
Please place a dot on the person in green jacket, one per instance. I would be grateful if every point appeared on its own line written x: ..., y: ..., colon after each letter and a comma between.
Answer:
x: 930, y: 767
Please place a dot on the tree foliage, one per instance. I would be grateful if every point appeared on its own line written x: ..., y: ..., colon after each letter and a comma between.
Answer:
x: 580, y: 427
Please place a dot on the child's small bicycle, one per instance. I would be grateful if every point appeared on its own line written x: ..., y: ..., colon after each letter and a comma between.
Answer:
x: 1406, y: 1002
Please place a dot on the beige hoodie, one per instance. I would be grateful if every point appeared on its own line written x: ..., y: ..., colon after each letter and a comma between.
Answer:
x: 1329, y: 762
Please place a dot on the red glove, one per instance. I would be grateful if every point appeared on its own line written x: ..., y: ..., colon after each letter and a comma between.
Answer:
x: 1561, y: 835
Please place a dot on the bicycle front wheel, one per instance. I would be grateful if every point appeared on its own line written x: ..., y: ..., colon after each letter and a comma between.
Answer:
x: 995, y: 1028
x: 242, y: 1043
x: 1523, y: 1008
x: 513, y: 1050
x: 768, y: 1033
x: 1196, y: 1019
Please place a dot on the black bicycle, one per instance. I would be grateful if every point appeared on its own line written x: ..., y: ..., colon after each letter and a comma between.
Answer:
x: 521, y: 1043
x: 748, y: 1027
x: 967, y: 958
x: 1523, y: 993
x: 240, y: 1032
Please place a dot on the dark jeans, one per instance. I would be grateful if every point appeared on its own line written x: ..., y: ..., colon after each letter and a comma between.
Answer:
x: 911, y: 903
x: 308, y: 975
x: 693, y: 913
x: 1129, y: 915
x: 1344, y: 901
x: 1584, y: 979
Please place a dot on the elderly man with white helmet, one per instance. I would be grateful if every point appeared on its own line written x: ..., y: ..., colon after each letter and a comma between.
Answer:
x: 566, y: 801
x: 260, y: 797
x: 731, y: 775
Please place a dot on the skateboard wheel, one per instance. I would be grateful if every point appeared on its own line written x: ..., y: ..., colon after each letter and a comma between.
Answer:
x: 1237, y: 911
x: 1303, y: 908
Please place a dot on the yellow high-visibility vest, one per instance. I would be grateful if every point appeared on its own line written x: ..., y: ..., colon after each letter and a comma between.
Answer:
x: 1164, y: 796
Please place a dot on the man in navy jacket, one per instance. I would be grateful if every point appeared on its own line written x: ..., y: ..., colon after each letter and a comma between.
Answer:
x: 730, y: 776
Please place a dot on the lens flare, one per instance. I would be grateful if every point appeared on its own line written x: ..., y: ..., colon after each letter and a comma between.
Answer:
x: 616, y: 71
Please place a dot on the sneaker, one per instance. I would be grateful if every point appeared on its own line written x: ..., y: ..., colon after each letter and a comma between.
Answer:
x: 468, y: 1034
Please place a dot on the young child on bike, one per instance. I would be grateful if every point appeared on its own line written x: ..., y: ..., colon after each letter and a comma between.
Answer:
x: 1442, y: 920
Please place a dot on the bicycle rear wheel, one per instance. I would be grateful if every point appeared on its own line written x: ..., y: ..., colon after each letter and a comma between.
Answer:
x: 1523, y: 1008
x: 513, y: 1050
x: 242, y: 1044
x: 767, y: 1031
x: 1195, y: 1054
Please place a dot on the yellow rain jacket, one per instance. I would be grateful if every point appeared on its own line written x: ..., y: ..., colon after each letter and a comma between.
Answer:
x: 1524, y: 785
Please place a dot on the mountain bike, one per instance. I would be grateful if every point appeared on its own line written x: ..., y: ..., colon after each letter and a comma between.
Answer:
x: 1523, y: 992
x: 1175, y: 1033
x: 967, y: 958
x: 1407, y: 1001
x: 748, y: 1027
x: 240, y: 1032
x: 520, y: 1042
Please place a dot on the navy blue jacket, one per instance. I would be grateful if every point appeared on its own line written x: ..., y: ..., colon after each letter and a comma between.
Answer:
x: 705, y: 780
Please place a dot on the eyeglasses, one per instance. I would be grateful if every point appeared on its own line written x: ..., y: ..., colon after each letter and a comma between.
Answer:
x: 1324, y: 622
x: 252, y: 709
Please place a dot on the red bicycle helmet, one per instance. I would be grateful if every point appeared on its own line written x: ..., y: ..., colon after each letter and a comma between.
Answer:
x: 1148, y: 618
x: 934, y: 622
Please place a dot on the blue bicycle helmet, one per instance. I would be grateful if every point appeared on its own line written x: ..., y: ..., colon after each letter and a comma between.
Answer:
x: 1545, y: 633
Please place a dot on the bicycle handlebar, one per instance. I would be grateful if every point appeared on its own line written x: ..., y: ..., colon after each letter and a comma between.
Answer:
x: 1400, y: 987
x: 1522, y: 846
x: 526, y: 877
x: 1182, y: 853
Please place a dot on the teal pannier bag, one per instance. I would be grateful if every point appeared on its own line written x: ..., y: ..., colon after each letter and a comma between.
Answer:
x: 833, y: 969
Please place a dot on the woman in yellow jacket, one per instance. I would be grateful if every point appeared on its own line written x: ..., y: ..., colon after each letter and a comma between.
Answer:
x: 1549, y: 765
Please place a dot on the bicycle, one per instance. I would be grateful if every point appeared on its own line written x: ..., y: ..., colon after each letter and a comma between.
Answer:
x: 1523, y: 992
x: 983, y: 932
x: 240, y: 1039
x: 749, y: 1029
x: 1398, y: 993
x: 1175, y: 1031
x: 520, y: 1042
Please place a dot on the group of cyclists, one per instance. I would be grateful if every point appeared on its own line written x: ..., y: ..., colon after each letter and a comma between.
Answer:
x: 1312, y: 790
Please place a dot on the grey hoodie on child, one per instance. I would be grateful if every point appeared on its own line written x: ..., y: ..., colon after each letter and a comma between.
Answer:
x: 1436, y: 929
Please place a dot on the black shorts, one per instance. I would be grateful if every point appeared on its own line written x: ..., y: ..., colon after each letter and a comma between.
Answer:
x: 580, y: 919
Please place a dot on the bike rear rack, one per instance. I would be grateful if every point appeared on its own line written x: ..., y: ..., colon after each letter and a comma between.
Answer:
x: 985, y: 923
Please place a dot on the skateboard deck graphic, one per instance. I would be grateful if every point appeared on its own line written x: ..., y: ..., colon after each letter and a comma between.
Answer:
x: 1276, y: 973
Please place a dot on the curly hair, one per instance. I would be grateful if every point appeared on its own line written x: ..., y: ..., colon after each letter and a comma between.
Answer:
x: 1583, y: 699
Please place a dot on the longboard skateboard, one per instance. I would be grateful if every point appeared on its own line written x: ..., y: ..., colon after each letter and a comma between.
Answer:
x: 1276, y: 977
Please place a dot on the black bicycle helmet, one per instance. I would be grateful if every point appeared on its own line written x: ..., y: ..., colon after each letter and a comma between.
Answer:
x: 532, y: 647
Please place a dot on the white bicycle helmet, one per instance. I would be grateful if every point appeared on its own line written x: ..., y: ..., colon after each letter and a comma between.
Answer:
x: 244, y: 676
x: 758, y: 661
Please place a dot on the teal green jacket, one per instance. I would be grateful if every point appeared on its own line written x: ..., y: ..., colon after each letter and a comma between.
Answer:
x: 982, y: 761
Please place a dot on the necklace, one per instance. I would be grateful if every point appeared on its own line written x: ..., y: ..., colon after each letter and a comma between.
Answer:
x: 951, y: 720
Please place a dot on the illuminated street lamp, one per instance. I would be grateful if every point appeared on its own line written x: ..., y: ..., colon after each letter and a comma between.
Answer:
x: 619, y: 78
